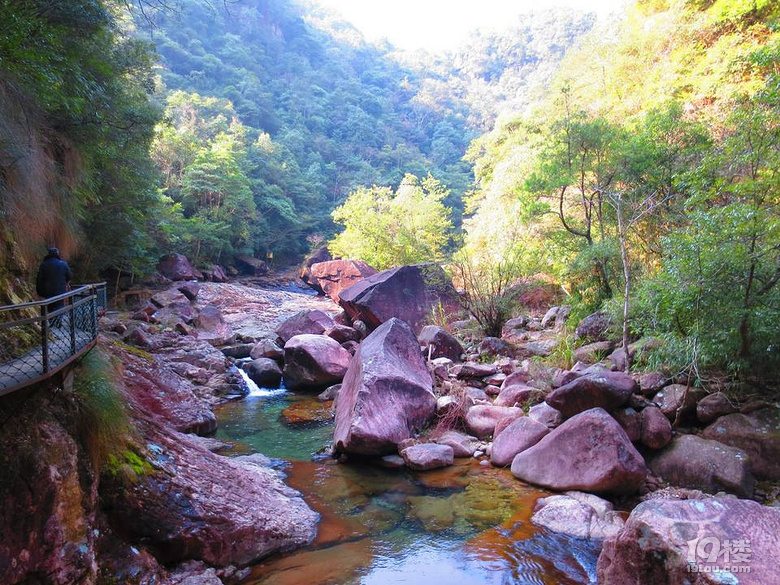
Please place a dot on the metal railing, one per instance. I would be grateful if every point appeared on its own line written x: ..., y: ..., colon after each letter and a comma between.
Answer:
x: 40, y: 338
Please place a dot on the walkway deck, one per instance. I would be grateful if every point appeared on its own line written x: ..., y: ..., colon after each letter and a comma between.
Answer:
x: 38, y: 344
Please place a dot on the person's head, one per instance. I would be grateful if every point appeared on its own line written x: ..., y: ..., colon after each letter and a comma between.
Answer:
x: 54, y: 252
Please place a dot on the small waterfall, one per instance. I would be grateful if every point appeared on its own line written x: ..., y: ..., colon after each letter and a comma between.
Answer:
x: 256, y: 391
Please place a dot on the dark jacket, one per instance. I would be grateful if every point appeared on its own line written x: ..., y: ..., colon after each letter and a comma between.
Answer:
x: 53, y: 277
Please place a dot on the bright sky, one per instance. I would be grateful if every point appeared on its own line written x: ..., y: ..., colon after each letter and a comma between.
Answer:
x: 442, y: 24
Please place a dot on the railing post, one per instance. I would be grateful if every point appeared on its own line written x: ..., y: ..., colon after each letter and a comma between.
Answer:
x: 72, y: 318
x: 45, y: 338
x: 94, y: 314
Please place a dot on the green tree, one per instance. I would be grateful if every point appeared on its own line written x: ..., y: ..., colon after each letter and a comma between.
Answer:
x: 386, y: 228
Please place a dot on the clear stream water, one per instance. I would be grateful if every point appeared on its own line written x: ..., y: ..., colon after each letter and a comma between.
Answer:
x: 463, y: 525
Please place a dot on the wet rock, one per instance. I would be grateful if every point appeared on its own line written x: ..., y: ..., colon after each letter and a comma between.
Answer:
x: 757, y: 433
x: 519, y: 395
x: 588, y: 452
x: 522, y: 433
x: 482, y: 419
x: 176, y: 267
x: 693, y: 462
x: 546, y: 414
x: 678, y: 402
x: 428, y: 456
x: 713, y: 406
x: 608, y: 390
x: 392, y: 461
x: 386, y: 394
x: 314, y: 361
x: 307, y: 412
x: 306, y: 322
x: 594, y: 327
x: 408, y: 293
x: 437, y: 342
x: 334, y: 276
x: 462, y: 445
x: 267, y: 348
x: 578, y: 514
x: 264, y: 372
x: 138, y: 337
x: 656, y: 428
x: 662, y: 536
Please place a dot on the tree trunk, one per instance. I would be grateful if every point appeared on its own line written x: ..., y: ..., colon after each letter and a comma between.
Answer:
x: 627, y: 277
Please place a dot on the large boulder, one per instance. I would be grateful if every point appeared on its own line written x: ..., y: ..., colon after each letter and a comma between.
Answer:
x: 519, y: 395
x: 212, y: 326
x: 463, y: 445
x: 656, y: 428
x: 757, y: 433
x: 264, y: 372
x: 386, y: 394
x: 578, y: 514
x: 251, y: 265
x: 334, y: 276
x: 483, y: 418
x: 589, y: 452
x: 692, y: 462
x: 713, y: 406
x: 409, y: 293
x: 595, y: 327
x: 176, y: 267
x: 321, y: 254
x: 437, y: 342
x: 186, y: 505
x: 314, y: 361
x: 522, y: 433
x: 546, y: 414
x: 607, y: 390
x: 314, y: 322
x: 696, y: 542
x: 678, y: 401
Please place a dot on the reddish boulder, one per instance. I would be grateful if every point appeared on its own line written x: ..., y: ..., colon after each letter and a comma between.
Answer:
x: 483, y: 418
x: 522, y: 433
x: 314, y: 361
x: 757, y: 433
x: 214, y: 273
x: 593, y: 352
x: 651, y: 383
x: 608, y: 390
x: 588, y: 452
x: 692, y: 462
x: 473, y: 370
x: 578, y: 514
x: 334, y: 276
x: 664, y: 539
x: 678, y: 402
x: 386, y: 394
x: 321, y: 254
x: 343, y: 333
x: 519, y: 395
x: 595, y: 327
x: 546, y: 414
x: 189, y: 290
x: 437, y: 342
x: 176, y: 267
x: 251, y: 265
x: 656, y: 428
x: 187, y: 506
x: 713, y: 406
x: 212, y: 326
x: 409, y: 293
x: 630, y: 421
x: 267, y: 348
x: 428, y: 456
x: 306, y: 322
x: 264, y: 372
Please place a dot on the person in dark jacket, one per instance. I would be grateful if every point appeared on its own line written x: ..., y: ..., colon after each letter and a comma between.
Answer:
x: 54, y: 275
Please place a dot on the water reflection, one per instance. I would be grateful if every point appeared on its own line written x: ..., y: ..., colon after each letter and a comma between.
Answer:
x: 465, y: 524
